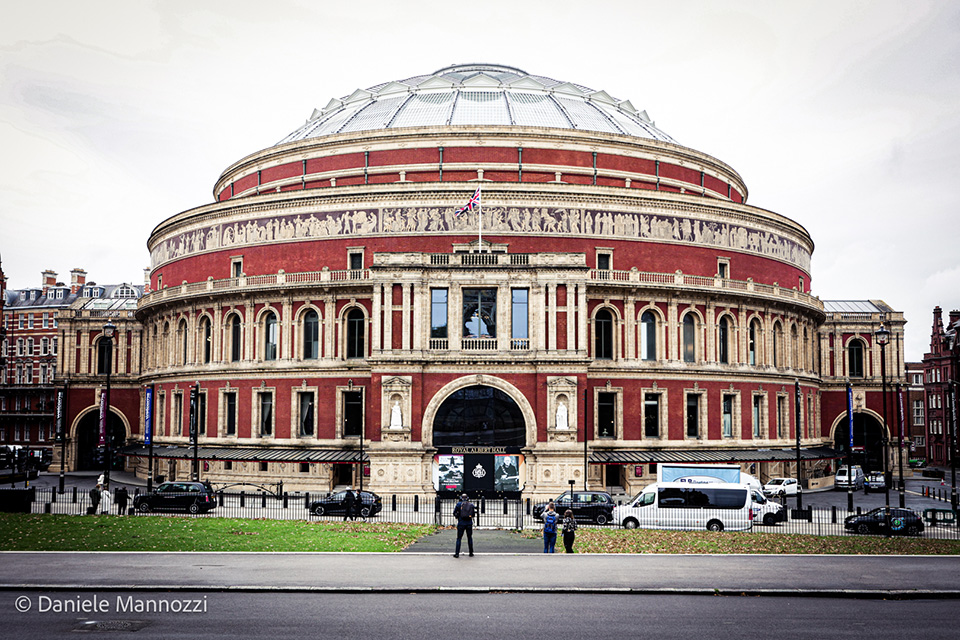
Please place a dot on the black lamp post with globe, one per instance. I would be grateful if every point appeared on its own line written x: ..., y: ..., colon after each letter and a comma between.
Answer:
x: 109, y: 330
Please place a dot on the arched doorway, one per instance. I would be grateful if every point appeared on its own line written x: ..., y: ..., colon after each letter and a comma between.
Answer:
x: 479, y: 432
x: 88, y: 439
x: 867, y: 441
x: 479, y: 416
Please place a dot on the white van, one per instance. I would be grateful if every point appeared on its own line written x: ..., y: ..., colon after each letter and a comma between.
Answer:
x: 766, y: 511
x: 714, y: 506
x: 846, y: 479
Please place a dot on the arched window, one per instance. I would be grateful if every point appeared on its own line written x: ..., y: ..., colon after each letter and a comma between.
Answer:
x: 311, y: 335
x: 236, y: 338
x: 206, y: 339
x: 166, y: 356
x: 648, y: 336
x: 855, y: 350
x: 689, y: 338
x: 104, y: 356
x: 603, y: 335
x: 355, y: 334
x: 270, y: 336
x: 777, y: 344
x: 182, y: 339
x: 723, y: 341
x: 794, y: 347
x: 753, y: 348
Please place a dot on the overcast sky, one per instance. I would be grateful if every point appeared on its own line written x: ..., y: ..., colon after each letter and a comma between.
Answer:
x: 840, y: 115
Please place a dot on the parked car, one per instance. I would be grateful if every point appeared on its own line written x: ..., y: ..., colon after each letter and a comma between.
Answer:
x: 875, y: 482
x: 781, y: 487
x: 587, y: 506
x: 766, y: 511
x: 334, y: 504
x: 194, y: 497
x: 900, y: 522
x: 846, y: 478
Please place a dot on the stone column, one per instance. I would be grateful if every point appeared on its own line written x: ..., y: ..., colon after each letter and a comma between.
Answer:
x: 287, y: 338
x: 405, y: 324
x: 630, y: 327
x: 376, y: 334
x: 329, y: 322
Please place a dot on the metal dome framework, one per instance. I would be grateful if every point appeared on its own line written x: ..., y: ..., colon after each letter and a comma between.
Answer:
x: 479, y: 94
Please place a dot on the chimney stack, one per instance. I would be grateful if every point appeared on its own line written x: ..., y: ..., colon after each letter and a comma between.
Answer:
x: 78, y: 278
x: 49, y: 279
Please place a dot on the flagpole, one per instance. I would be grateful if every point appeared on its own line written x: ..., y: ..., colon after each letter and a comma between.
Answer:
x: 480, y: 215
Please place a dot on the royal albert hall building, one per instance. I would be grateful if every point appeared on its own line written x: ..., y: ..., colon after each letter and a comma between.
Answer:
x: 613, y: 302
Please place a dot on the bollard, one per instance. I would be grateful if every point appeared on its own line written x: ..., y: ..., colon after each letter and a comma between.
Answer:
x: 483, y: 505
x: 220, y: 498
x: 393, y: 502
x: 74, y: 495
x: 504, y: 506
x: 416, y: 503
x: 833, y: 514
x: 47, y: 507
x: 858, y: 511
x: 528, y: 506
x: 285, y: 503
x: 243, y: 499
x: 263, y: 500
x: 53, y: 496
x: 306, y: 500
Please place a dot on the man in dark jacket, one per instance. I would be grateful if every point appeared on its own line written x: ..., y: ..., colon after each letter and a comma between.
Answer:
x: 121, y: 496
x: 348, y: 506
x: 464, y: 512
x: 94, y: 499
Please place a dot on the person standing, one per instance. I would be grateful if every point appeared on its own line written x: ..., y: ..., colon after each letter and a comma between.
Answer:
x: 464, y: 512
x: 569, y: 530
x: 94, y: 500
x: 550, y: 520
x: 106, y: 500
x: 358, y: 505
x: 348, y: 501
x: 121, y: 496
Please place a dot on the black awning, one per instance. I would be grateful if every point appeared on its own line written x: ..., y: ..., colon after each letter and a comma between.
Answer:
x: 249, y: 454
x: 647, y: 456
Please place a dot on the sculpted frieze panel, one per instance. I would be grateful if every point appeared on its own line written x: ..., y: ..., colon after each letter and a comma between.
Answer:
x: 679, y: 228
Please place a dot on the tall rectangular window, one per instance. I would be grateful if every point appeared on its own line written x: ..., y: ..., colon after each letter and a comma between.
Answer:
x: 161, y: 413
x: 479, y: 313
x: 693, y: 415
x: 352, y: 414
x: 727, y: 416
x: 918, y: 412
x: 230, y: 409
x: 757, y: 415
x: 781, y: 416
x: 265, y: 400
x: 606, y: 415
x: 519, y: 317
x: 356, y: 261
x: 202, y: 414
x: 438, y: 313
x: 305, y: 415
x: 651, y: 415
x: 178, y: 414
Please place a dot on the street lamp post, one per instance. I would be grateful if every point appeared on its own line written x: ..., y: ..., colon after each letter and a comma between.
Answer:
x: 899, y: 403
x: 109, y: 330
x: 883, y: 337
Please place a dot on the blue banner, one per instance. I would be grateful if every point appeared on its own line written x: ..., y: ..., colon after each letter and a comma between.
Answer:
x: 148, y: 417
x: 850, y: 412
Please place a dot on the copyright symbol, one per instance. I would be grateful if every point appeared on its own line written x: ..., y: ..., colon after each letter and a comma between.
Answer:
x: 23, y: 604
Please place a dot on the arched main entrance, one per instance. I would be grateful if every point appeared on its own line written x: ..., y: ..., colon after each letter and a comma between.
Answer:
x: 867, y: 441
x: 88, y: 439
x: 479, y: 431
x: 479, y: 416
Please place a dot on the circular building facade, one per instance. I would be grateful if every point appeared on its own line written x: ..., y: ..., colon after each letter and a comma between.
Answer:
x: 478, y: 279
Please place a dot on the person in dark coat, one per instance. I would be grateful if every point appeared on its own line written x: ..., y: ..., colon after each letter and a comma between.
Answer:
x: 464, y: 512
x: 121, y: 496
x: 348, y: 502
x: 95, y: 499
x: 358, y: 504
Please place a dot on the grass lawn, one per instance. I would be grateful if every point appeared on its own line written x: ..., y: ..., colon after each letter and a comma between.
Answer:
x: 36, y: 532
x: 653, y: 541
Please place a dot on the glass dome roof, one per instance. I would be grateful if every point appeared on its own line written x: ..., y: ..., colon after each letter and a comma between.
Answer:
x: 479, y: 94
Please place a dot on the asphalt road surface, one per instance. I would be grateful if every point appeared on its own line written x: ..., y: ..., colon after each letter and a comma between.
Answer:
x: 465, y: 616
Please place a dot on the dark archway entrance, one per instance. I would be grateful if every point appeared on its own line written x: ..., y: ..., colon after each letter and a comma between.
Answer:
x: 479, y: 432
x: 88, y: 439
x: 479, y: 416
x: 867, y: 441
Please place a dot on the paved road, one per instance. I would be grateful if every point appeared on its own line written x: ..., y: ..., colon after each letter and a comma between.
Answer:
x: 490, y: 572
x: 488, y: 616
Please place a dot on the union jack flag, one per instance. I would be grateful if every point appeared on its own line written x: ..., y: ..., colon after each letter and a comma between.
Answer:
x: 474, y: 202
